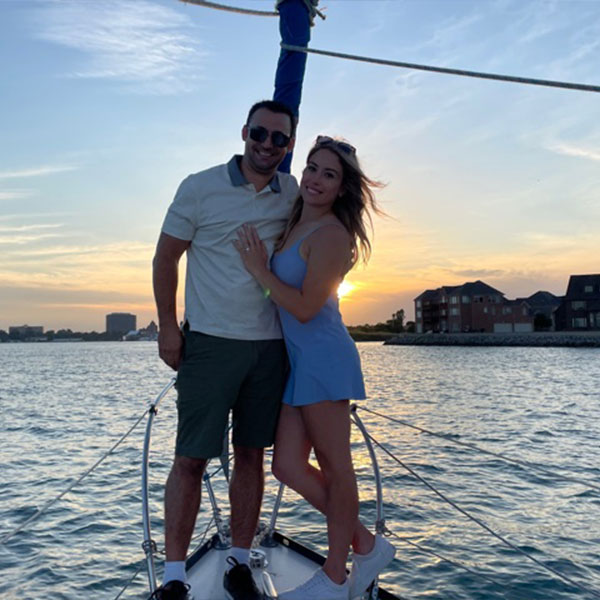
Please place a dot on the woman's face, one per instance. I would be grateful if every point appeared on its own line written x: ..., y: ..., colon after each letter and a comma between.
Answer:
x: 322, y: 179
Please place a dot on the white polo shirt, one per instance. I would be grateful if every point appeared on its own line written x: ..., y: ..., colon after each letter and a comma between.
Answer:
x: 221, y: 297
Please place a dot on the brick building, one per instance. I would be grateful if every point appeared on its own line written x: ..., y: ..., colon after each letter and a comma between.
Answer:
x: 580, y: 307
x: 471, y: 307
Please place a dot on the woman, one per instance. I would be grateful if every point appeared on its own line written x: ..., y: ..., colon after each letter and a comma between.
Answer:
x: 322, y: 241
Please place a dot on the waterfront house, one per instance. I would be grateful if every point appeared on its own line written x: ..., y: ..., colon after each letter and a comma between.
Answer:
x: 543, y: 305
x: 580, y: 307
x: 473, y: 306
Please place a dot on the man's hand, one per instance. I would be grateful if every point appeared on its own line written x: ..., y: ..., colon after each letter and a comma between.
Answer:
x: 164, y: 281
x: 170, y: 346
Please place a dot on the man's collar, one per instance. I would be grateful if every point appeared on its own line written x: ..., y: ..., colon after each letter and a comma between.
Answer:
x: 238, y: 178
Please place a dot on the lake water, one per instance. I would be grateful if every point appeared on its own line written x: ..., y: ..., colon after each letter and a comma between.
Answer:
x: 64, y: 405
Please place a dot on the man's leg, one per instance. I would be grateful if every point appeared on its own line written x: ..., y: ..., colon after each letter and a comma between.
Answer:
x: 245, y: 494
x: 254, y: 421
x: 182, y: 501
x: 207, y: 385
x: 254, y: 424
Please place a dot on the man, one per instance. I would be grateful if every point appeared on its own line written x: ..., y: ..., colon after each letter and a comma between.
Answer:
x: 230, y: 355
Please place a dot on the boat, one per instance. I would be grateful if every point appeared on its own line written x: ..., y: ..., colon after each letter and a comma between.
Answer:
x: 277, y: 561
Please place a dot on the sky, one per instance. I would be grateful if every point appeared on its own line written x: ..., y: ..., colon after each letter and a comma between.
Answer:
x: 106, y: 105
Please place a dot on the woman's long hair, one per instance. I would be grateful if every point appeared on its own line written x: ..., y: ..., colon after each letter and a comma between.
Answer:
x: 354, y: 205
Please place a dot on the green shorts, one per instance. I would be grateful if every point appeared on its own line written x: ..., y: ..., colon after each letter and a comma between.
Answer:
x: 218, y: 375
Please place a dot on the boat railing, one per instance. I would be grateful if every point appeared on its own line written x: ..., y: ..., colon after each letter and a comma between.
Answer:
x: 221, y: 540
x: 149, y: 545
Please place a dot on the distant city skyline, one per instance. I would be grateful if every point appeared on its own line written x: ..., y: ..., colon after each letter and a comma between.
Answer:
x: 112, y: 103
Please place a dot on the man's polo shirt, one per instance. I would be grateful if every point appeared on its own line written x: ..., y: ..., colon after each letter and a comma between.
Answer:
x: 221, y: 297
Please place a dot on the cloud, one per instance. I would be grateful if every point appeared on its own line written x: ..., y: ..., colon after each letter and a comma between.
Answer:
x: 569, y: 150
x: 26, y: 238
x: 20, y: 228
x: 27, y: 215
x: 135, y: 42
x: 36, y: 171
x: 14, y: 194
x: 123, y: 266
x: 479, y: 273
x: 16, y: 235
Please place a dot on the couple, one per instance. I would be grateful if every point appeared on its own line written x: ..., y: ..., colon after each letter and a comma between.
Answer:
x: 230, y: 220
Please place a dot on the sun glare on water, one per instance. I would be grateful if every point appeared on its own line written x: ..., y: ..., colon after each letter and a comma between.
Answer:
x: 344, y: 289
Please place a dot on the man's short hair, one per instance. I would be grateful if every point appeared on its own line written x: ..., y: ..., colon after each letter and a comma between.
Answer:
x: 276, y: 107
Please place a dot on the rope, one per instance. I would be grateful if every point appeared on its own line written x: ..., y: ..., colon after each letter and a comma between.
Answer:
x: 50, y: 503
x: 443, y: 558
x: 393, y: 63
x: 242, y: 11
x: 142, y: 564
x: 516, y: 461
x: 483, y: 525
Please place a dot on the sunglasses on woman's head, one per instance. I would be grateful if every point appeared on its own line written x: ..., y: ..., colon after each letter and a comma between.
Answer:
x: 325, y: 140
x: 260, y: 134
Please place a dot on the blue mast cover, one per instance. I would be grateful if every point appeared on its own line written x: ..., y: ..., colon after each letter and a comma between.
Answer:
x: 295, y: 18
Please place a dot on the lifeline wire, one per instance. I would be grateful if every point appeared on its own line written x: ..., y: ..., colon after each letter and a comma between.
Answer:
x: 202, y: 537
x: 516, y: 461
x: 448, y: 560
x: 48, y: 504
x: 234, y: 9
x: 483, y: 525
x: 582, y: 87
x: 456, y: 563
x: 140, y: 567
x: 241, y: 11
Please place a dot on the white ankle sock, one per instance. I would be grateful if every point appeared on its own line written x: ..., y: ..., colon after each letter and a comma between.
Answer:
x: 174, y: 570
x: 242, y: 555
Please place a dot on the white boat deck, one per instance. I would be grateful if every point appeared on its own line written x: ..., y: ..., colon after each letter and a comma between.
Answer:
x: 285, y: 568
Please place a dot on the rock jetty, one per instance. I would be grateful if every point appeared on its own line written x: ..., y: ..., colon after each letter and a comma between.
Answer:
x: 558, y: 339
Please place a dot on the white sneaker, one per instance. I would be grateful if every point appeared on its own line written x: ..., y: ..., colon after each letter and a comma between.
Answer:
x: 318, y: 587
x: 365, y: 567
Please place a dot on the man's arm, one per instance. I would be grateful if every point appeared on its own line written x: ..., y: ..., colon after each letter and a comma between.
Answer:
x: 164, y: 279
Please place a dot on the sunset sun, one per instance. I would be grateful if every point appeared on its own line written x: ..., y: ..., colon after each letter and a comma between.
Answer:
x: 344, y: 289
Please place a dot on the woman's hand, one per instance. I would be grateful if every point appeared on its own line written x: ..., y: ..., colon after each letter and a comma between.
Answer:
x: 252, y: 250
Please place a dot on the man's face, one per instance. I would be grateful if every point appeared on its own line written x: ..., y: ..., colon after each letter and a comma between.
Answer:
x: 264, y: 157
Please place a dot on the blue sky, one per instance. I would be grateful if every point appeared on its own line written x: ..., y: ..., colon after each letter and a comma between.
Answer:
x: 107, y: 104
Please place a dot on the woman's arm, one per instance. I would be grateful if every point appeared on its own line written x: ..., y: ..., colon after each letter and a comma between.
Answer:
x: 328, y: 254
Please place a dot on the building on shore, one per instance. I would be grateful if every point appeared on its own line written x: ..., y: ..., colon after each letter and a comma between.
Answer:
x: 476, y: 306
x: 120, y: 323
x: 146, y: 334
x: 26, y: 330
x: 30, y: 333
x: 579, y: 309
x: 543, y: 304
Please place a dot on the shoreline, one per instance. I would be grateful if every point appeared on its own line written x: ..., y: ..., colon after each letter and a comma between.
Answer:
x: 560, y: 339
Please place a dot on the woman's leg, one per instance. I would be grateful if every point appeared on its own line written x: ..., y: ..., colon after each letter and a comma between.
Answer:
x: 291, y: 466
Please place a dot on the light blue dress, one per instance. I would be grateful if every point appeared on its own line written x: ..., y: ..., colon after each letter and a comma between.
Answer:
x: 324, y: 361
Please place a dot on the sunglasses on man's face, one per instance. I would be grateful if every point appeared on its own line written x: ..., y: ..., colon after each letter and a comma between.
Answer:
x: 325, y: 140
x: 260, y: 134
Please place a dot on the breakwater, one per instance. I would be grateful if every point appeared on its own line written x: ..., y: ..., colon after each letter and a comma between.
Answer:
x: 547, y: 339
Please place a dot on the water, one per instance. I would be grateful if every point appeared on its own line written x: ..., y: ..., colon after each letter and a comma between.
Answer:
x: 64, y: 405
